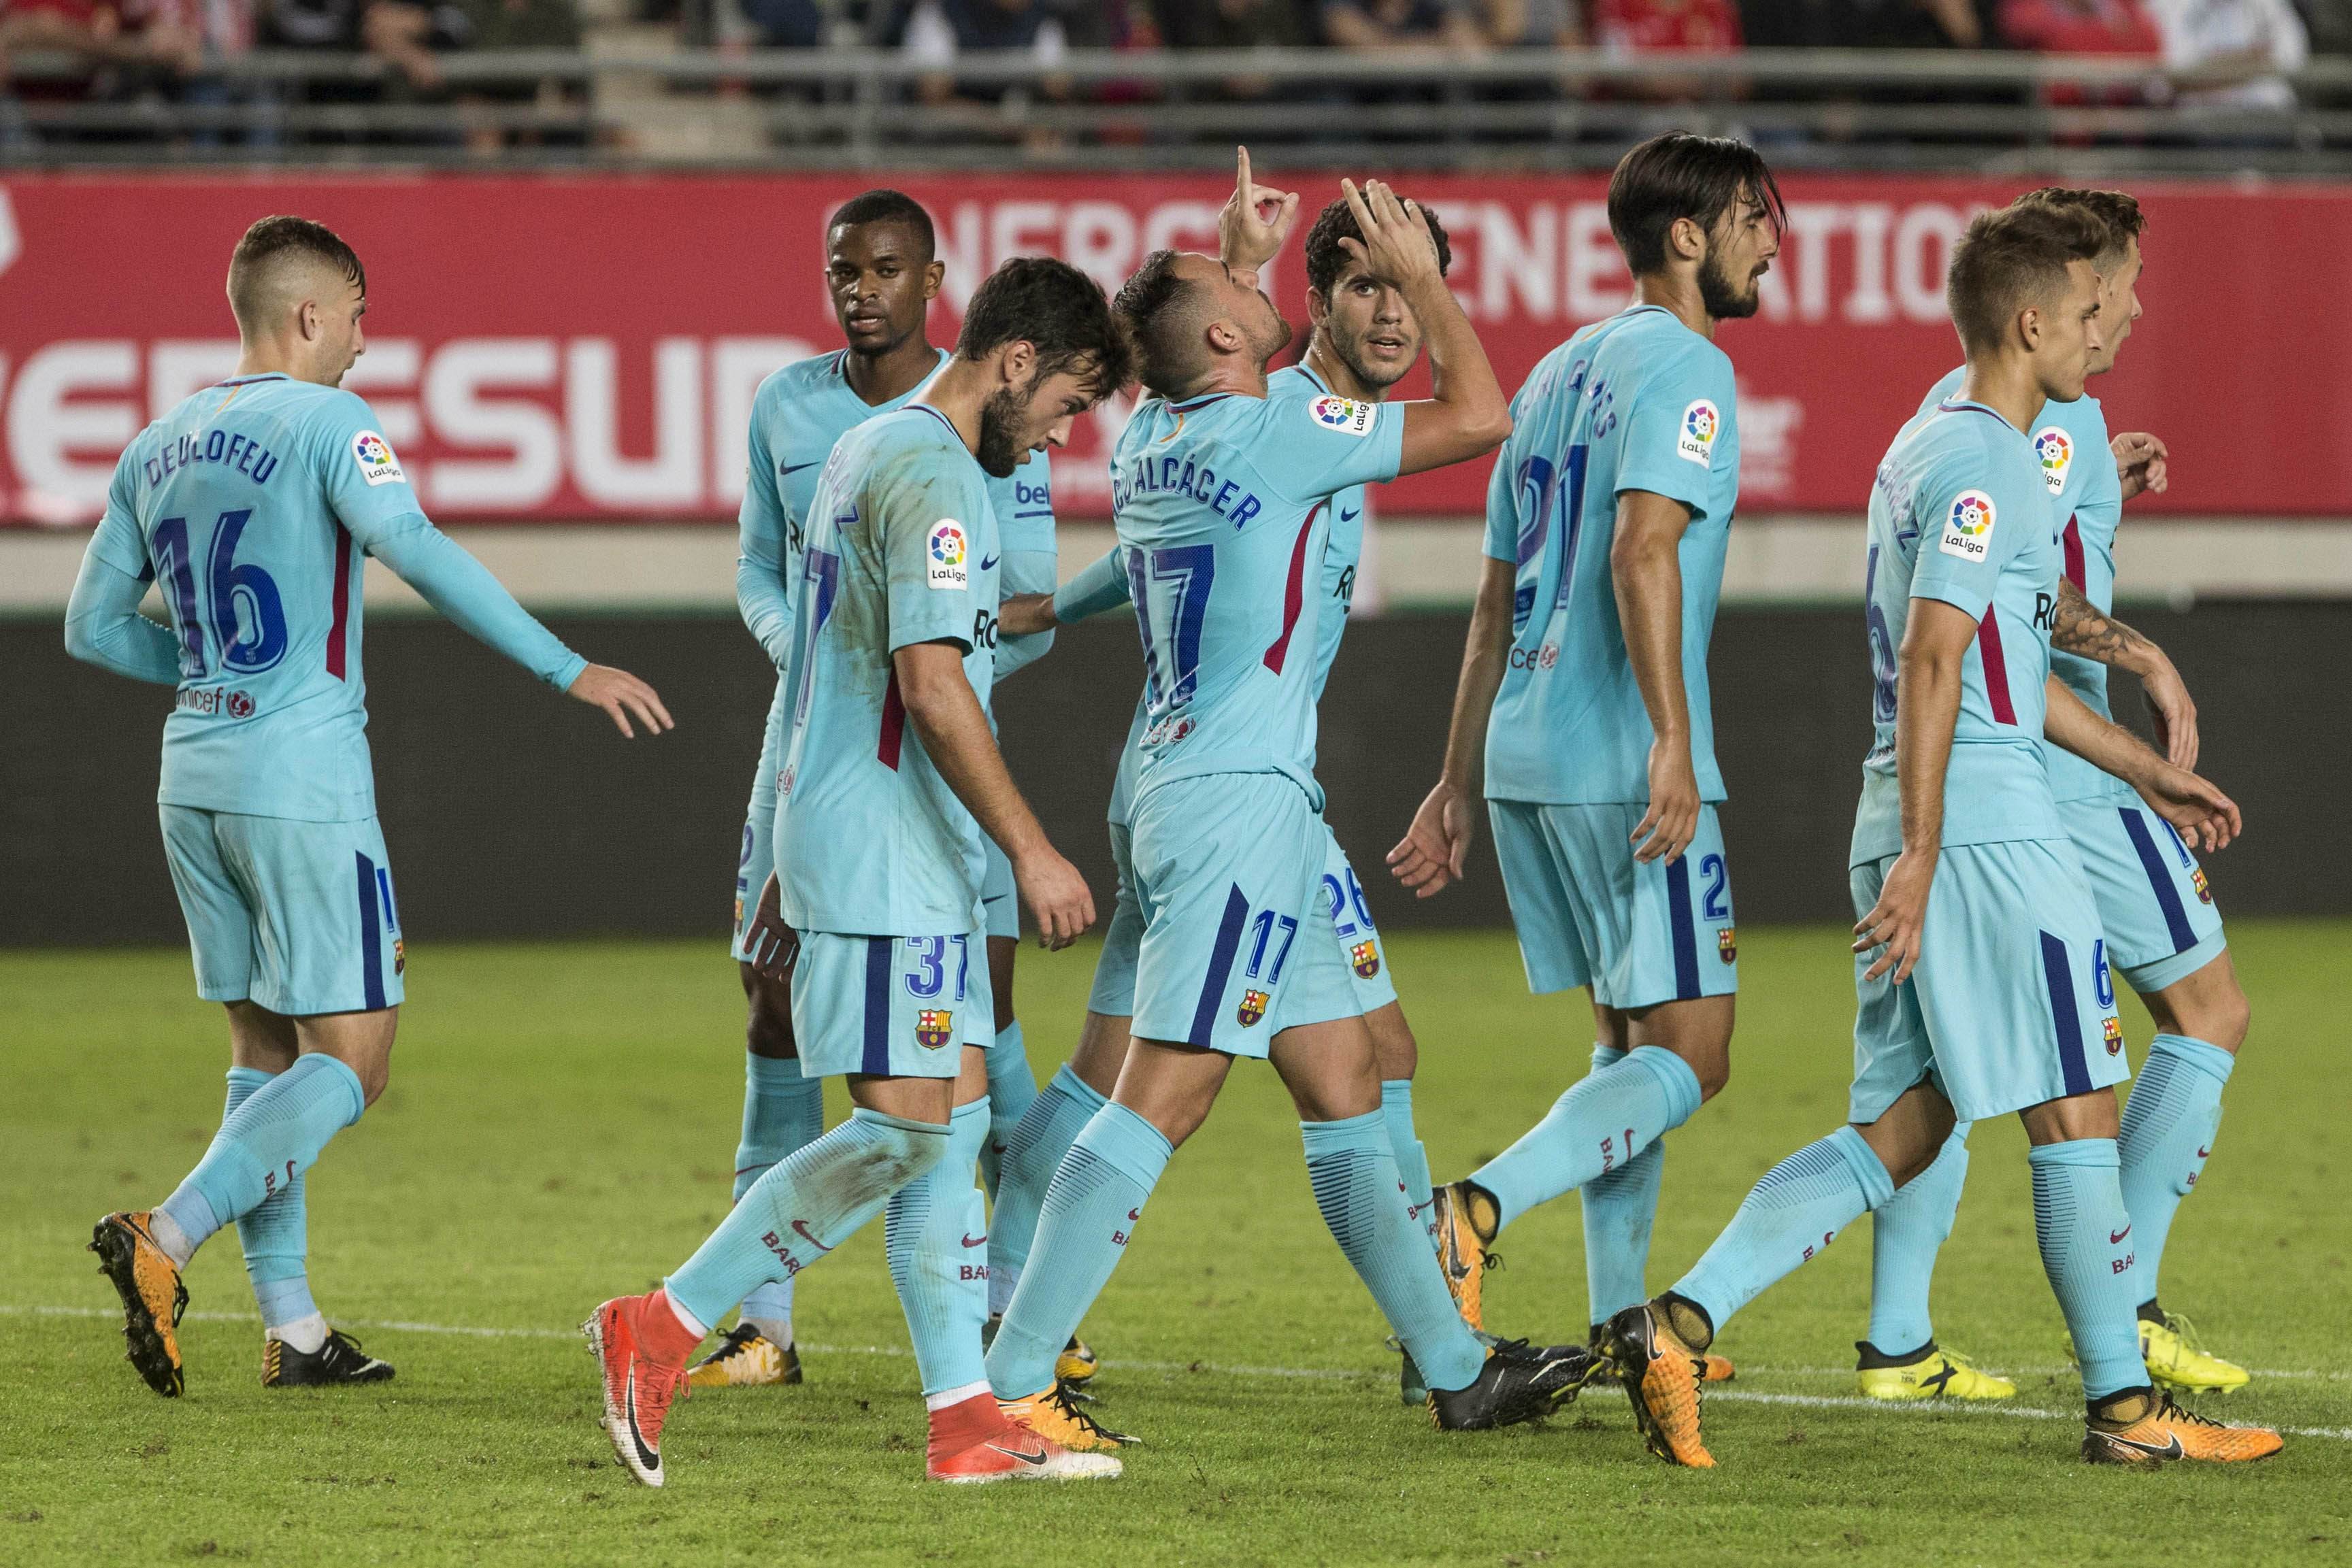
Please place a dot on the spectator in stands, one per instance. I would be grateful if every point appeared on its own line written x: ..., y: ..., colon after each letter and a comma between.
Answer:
x: 1649, y: 26
x: 2082, y: 27
x: 1234, y: 24
x: 513, y: 25
x: 1865, y: 24
x: 2232, y: 53
x: 938, y: 32
x: 1528, y: 23
x: 400, y: 32
x: 1400, y: 23
x: 2328, y: 25
x: 785, y: 24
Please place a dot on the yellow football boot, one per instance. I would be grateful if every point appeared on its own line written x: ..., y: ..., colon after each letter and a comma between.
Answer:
x: 1054, y: 1416
x: 153, y: 1297
x: 1662, y: 1376
x: 2177, y: 1358
x: 2150, y: 1429
x: 1077, y: 1363
x: 1935, y: 1373
x: 746, y: 1358
x: 1462, y: 1252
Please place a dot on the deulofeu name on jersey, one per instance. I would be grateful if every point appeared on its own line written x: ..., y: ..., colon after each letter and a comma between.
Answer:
x: 947, y: 549
x: 1967, y: 526
x: 1702, y: 421
x: 377, y: 465
x: 1348, y: 415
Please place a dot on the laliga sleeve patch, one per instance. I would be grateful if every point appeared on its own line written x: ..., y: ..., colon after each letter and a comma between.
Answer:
x: 945, y: 569
x: 2055, y: 450
x: 372, y: 453
x: 1348, y: 416
x: 1967, y: 526
x: 1696, y: 439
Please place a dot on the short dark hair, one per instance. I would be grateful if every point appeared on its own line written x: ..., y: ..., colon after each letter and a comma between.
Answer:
x: 884, y: 205
x: 1055, y: 307
x: 1326, y: 258
x: 278, y: 238
x: 2009, y: 258
x: 1152, y: 306
x: 1678, y: 175
x: 2118, y: 210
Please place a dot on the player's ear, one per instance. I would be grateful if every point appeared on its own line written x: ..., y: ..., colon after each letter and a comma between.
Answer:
x: 1018, y: 362
x: 306, y: 320
x: 1687, y: 239
x: 1225, y: 336
x: 1318, y: 307
x: 933, y: 275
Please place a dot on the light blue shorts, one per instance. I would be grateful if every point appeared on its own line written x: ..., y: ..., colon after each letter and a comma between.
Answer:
x: 1350, y: 976
x: 2011, y: 1003
x: 890, y: 1006
x: 999, y: 899
x: 758, y: 859
x: 1227, y: 868
x: 2154, y: 904
x: 1588, y: 914
x: 298, y: 917
x: 1114, y: 989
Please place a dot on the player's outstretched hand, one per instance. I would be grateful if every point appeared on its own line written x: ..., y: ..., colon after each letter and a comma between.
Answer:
x: 1056, y: 896
x: 1256, y: 219
x: 1396, y: 245
x: 623, y: 696
x: 1898, y: 917
x: 1434, y: 852
x: 771, y: 945
x: 2208, y: 820
x: 2174, y: 713
x: 1667, y: 827
x: 2140, y: 463
x: 1026, y: 615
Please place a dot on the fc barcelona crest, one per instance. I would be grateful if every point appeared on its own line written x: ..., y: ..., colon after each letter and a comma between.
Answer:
x: 2197, y: 879
x: 1366, y: 957
x: 2114, y: 1032
x: 1252, y: 1010
x: 934, y: 1030
x: 1726, y: 943
x: 399, y: 956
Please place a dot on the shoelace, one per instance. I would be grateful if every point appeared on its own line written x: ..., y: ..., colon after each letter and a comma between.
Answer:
x: 2186, y: 1331
x: 1063, y: 1399
x: 2168, y: 1411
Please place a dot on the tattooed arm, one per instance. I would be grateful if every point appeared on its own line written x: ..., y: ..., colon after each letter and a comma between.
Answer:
x: 2082, y: 629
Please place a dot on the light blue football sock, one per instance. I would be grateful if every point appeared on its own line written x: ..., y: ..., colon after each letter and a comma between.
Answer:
x: 935, y: 1234
x: 782, y: 1112
x: 2170, y: 1122
x: 1412, y: 1160
x: 1012, y: 1088
x: 807, y: 1204
x: 1793, y: 1213
x: 276, y: 1236
x: 1620, y: 1206
x: 1033, y: 1153
x: 1353, y: 1170
x: 1906, y: 1233
x: 1607, y: 1118
x: 266, y: 1142
x: 2087, y: 1251
x: 1090, y: 1211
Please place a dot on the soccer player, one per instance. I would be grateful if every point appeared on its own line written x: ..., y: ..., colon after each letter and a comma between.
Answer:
x: 890, y: 777
x: 1979, y: 977
x: 1364, y: 340
x: 1583, y: 711
x: 2162, y: 930
x: 253, y: 505
x: 1218, y: 494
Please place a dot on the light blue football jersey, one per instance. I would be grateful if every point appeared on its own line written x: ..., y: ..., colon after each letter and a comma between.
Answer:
x: 1960, y: 513
x: 902, y: 547
x: 2070, y: 442
x: 1219, y: 502
x: 1638, y: 401
x: 253, y: 504
x: 1024, y: 522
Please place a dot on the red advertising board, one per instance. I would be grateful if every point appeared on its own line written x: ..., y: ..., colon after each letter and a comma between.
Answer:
x: 586, y: 347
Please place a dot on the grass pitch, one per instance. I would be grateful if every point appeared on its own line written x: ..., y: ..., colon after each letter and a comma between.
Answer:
x: 560, y: 1129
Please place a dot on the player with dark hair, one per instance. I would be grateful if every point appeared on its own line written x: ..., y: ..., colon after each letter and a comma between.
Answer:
x: 892, y: 776
x: 1365, y: 338
x: 254, y: 504
x: 1582, y: 715
x: 1978, y: 972
x: 1220, y: 495
x: 2157, y: 912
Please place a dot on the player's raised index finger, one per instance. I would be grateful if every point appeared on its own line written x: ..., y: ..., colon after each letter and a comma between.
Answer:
x: 1242, y: 173
x: 1357, y: 206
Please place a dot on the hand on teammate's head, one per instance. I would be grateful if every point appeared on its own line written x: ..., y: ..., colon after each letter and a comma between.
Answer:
x: 1396, y: 245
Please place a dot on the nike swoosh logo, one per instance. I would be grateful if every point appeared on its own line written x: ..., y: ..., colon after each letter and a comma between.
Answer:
x: 1135, y: 1214
x: 2115, y: 1236
x: 990, y: 561
x: 647, y: 1457
x: 2169, y: 1449
x: 975, y: 1240
x: 2202, y: 1154
x: 994, y: 898
x: 796, y: 467
x: 1351, y: 517
x: 1036, y: 1458
x: 809, y: 1236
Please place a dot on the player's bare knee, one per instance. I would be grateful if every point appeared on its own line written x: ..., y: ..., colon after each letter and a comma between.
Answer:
x: 1394, y: 1048
x: 768, y: 1023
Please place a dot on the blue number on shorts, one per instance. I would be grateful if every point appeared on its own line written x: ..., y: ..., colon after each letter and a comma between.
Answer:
x: 1882, y: 647
x: 930, y: 952
x: 1262, y: 928
x: 963, y: 966
x: 1336, y: 897
x: 1171, y: 630
x: 1355, y: 897
x: 171, y: 551
x: 2103, y: 979
x: 256, y: 640
x: 1713, y: 907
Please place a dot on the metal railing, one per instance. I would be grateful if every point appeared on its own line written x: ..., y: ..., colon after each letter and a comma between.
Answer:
x: 1171, y: 109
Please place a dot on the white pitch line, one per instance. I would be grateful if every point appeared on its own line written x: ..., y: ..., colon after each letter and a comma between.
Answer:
x: 1318, y: 1373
